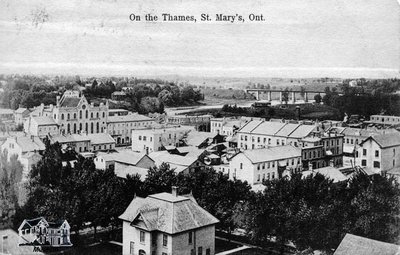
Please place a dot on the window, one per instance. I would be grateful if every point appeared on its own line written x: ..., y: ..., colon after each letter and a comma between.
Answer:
x: 273, y: 175
x: 241, y: 165
x: 131, y: 248
x: 258, y: 178
x: 142, y: 236
x: 363, y: 162
x: 190, y: 237
x: 62, y: 116
x: 376, y: 153
x: 364, y: 152
x: 80, y: 114
x: 377, y: 164
x: 165, y: 240
x: 208, y: 251
x: 140, y: 137
x: 200, y: 251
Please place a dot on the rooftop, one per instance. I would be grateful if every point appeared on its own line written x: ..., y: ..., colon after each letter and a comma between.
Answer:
x: 386, y: 140
x: 128, y: 118
x: 357, y: 245
x: 330, y: 172
x: 70, y: 101
x: 167, y: 213
x: 272, y: 153
x: 44, y: 121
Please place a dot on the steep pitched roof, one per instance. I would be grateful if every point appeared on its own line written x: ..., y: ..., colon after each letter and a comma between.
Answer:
x: 168, y: 213
x: 272, y: 153
x: 357, y: 245
x: 70, y: 102
x: 386, y: 140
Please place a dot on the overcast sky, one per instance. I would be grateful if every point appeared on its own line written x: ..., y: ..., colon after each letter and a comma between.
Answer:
x: 297, y: 39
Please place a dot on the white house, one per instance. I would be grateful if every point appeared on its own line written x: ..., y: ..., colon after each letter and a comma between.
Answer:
x: 20, y: 115
x: 38, y: 231
x: 41, y: 126
x: 257, y: 165
x: 158, y: 138
x: 167, y: 223
x: 379, y: 153
x: 26, y: 149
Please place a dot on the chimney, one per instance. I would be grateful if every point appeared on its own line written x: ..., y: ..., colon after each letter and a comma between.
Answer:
x: 147, y: 150
x: 174, y: 191
x: 58, y: 101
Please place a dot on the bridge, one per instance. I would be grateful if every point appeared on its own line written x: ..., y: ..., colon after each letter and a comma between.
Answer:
x: 292, y: 94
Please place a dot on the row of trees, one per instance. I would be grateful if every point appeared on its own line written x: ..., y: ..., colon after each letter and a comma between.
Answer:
x: 315, y: 214
x: 363, y: 101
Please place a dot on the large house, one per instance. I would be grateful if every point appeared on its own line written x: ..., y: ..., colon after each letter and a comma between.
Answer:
x: 121, y: 127
x: 255, y: 166
x: 39, y: 231
x: 379, y: 153
x: 167, y: 224
x: 41, y: 126
x: 26, y: 149
x: 74, y: 114
x: 156, y: 139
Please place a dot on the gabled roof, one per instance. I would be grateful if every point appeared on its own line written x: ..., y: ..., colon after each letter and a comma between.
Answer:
x: 126, y: 157
x: 122, y: 170
x: 168, y: 213
x: 385, y: 140
x: 29, y: 144
x: 302, y: 131
x: 196, y: 138
x: 287, y: 129
x: 177, y: 162
x: 268, y: 128
x: 44, y: 121
x: 357, y: 245
x: 247, y: 128
x: 70, y: 102
x: 330, y: 172
x: 100, y: 138
x: 272, y: 153
x: 21, y: 110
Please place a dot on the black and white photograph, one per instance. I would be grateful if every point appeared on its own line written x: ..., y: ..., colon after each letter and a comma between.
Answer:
x: 188, y: 127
